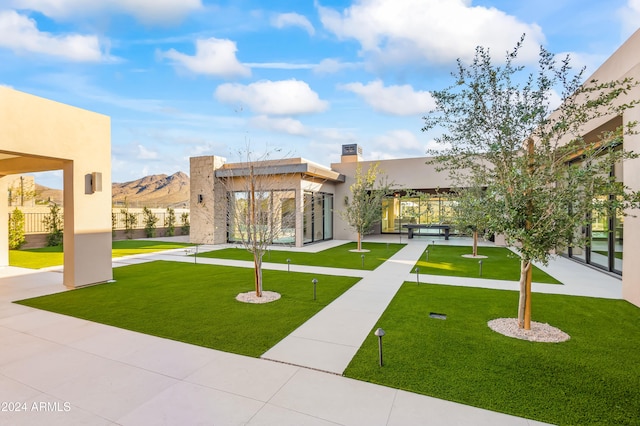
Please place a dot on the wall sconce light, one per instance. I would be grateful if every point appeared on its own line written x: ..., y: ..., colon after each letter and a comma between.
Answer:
x: 200, y: 198
x: 96, y: 182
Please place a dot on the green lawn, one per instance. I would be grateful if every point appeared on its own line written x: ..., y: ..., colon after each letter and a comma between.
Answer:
x: 501, y: 264
x: 195, y: 303
x: 336, y: 257
x: 594, y: 378
x: 53, y: 256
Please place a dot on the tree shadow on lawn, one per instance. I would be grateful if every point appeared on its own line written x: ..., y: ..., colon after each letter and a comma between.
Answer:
x: 342, y: 256
x: 500, y: 264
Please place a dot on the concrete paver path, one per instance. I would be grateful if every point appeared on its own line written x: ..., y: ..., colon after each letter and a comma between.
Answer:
x: 329, y: 340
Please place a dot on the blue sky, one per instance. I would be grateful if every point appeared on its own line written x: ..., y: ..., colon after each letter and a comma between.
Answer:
x: 182, y: 78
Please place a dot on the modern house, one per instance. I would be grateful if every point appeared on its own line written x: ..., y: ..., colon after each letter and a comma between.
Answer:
x: 317, y: 193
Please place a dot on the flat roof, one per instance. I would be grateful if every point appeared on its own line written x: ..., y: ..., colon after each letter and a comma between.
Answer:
x: 281, y: 167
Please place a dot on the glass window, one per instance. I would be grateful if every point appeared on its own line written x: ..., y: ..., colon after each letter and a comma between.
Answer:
x: 274, y: 216
x: 328, y: 216
x: 599, y: 242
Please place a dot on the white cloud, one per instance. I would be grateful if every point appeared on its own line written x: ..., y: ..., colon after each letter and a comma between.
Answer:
x: 146, y: 11
x: 578, y: 60
x: 213, y: 56
x: 330, y: 66
x: 282, y: 125
x: 280, y: 65
x: 285, y: 97
x: 630, y: 16
x: 396, y: 100
x: 398, y: 143
x: 146, y: 154
x: 431, y: 31
x: 20, y: 34
x: 283, y: 20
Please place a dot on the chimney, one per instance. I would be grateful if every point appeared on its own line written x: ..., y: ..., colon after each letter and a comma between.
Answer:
x: 351, y: 153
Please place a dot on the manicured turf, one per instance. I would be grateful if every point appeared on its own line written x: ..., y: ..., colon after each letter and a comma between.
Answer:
x: 195, y: 303
x: 53, y: 256
x: 594, y: 378
x: 336, y: 257
x: 500, y: 264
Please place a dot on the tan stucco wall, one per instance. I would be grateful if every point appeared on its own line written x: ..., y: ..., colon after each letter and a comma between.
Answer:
x: 625, y: 62
x: 37, y: 134
x: 405, y: 173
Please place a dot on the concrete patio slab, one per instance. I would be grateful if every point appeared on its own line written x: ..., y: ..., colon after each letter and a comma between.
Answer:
x: 241, y: 375
x: 336, y: 399
x: 192, y: 404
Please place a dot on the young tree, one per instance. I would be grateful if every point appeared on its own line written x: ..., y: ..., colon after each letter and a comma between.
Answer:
x: 130, y: 220
x: 150, y: 220
x: 16, y: 229
x: 22, y: 191
x: 184, y: 223
x: 471, y: 213
x: 260, y: 210
x: 170, y: 222
x: 541, y: 175
x: 365, y: 206
x: 53, y: 225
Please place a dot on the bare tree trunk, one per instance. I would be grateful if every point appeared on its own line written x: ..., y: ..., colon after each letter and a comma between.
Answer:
x: 257, y: 273
x: 524, y: 308
x: 475, y: 243
x: 524, y: 302
x: 359, y: 241
x: 253, y: 232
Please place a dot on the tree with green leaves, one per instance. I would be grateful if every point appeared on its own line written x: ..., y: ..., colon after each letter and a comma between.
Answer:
x: 470, y: 212
x: 16, y: 229
x: 150, y: 220
x: 543, y: 179
x: 364, y: 208
x: 53, y: 224
x: 170, y: 222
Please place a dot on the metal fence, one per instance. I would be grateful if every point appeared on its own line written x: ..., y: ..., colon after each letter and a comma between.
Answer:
x: 34, y: 222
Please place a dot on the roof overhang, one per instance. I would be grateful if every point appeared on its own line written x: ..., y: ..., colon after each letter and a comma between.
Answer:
x: 307, y: 170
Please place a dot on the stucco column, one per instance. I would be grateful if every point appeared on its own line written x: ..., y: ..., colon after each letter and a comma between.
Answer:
x: 86, y: 238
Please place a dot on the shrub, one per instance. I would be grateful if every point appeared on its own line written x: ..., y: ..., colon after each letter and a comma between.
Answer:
x: 170, y: 222
x: 185, y: 223
x: 53, y: 225
x: 130, y: 221
x: 150, y: 220
x: 16, y: 229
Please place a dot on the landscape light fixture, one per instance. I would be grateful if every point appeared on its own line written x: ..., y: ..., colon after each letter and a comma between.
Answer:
x: 315, y: 282
x: 426, y: 255
x: 379, y: 332
x: 418, y: 274
x: 362, y: 257
x: 480, y: 263
x: 288, y: 265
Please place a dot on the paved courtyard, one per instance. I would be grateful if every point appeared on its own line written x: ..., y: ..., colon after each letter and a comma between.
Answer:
x: 58, y: 370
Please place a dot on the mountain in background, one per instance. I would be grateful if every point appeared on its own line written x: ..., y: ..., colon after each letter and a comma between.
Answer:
x: 154, y: 191
x: 150, y: 191
x: 46, y: 195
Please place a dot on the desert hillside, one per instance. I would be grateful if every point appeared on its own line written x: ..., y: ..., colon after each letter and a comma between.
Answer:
x: 154, y: 191
x: 149, y: 191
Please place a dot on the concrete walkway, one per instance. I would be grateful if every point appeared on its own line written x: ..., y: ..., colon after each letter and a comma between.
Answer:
x: 329, y: 340
x: 66, y: 371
